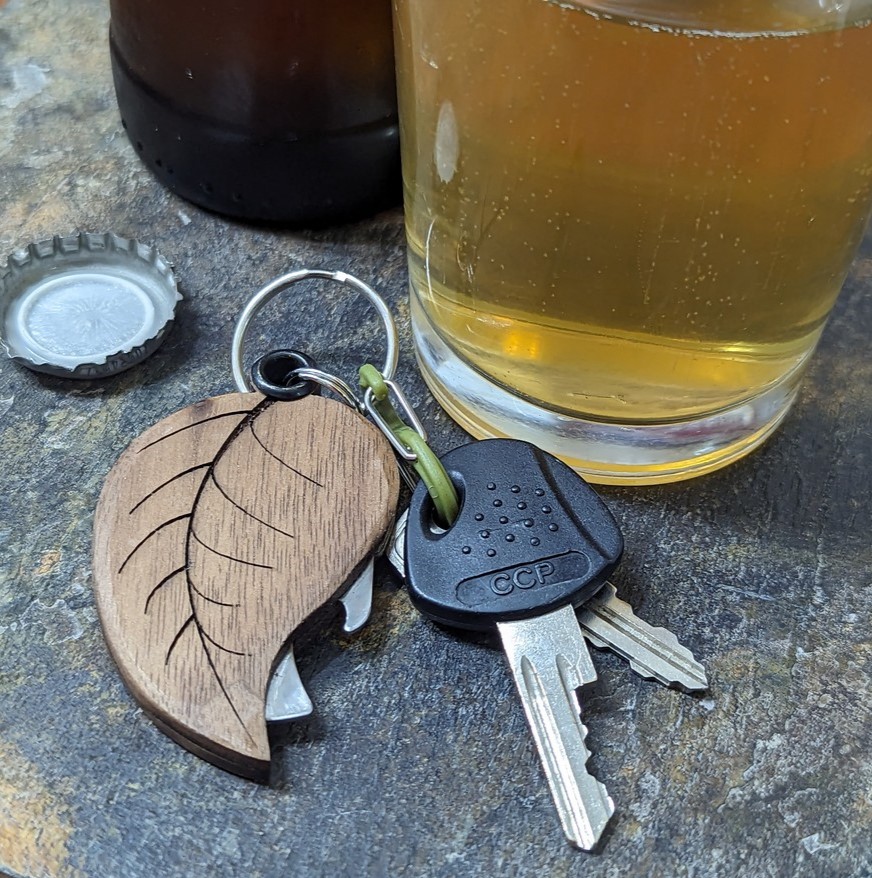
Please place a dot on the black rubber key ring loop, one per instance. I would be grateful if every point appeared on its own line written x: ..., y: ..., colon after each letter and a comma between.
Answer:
x: 273, y: 375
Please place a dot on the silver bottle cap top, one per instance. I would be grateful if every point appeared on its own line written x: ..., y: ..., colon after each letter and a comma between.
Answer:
x: 85, y: 305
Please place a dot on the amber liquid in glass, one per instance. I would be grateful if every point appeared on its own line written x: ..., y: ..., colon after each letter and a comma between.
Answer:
x: 631, y: 220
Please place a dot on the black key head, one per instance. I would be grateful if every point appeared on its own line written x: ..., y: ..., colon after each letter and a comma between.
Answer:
x: 532, y: 536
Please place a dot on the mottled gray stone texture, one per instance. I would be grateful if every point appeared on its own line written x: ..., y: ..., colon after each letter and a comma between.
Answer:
x: 417, y: 760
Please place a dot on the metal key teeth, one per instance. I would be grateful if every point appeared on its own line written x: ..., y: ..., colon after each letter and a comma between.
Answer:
x: 584, y: 818
x: 652, y: 652
x: 550, y: 663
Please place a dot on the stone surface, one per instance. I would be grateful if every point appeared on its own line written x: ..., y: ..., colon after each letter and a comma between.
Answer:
x: 417, y: 760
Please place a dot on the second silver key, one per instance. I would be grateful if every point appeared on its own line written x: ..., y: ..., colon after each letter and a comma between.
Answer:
x: 655, y: 653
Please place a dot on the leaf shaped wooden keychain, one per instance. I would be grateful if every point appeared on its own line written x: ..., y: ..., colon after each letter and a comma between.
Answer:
x: 222, y: 528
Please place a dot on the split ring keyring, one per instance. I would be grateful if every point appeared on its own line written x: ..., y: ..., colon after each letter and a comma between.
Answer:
x: 280, y: 284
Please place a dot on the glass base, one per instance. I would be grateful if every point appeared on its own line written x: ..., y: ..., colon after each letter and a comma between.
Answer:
x: 602, y: 452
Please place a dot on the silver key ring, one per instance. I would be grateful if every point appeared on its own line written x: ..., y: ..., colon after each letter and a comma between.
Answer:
x: 341, y: 388
x: 279, y: 285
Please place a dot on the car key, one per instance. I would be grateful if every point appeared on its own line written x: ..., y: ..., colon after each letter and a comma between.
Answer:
x: 610, y: 623
x: 531, y: 542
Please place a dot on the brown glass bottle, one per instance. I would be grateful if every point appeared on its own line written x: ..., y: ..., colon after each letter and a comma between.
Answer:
x: 276, y: 110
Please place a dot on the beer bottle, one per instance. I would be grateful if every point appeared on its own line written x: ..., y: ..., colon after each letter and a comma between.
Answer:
x: 273, y: 110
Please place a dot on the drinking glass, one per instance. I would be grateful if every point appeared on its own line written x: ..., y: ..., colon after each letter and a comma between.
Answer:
x: 628, y: 220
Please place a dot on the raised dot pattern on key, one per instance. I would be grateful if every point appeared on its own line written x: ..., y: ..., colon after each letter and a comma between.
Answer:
x: 506, y: 517
x: 527, y: 528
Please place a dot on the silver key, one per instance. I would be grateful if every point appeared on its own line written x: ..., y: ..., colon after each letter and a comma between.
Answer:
x: 550, y: 662
x: 655, y: 653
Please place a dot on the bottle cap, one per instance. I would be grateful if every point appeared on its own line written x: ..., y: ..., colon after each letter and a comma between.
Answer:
x: 85, y: 305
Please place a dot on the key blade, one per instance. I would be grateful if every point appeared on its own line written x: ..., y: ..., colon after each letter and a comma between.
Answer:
x: 357, y: 601
x: 287, y: 697
x: 655, y: 653
x: 397, y: 547
x: 549, y: 662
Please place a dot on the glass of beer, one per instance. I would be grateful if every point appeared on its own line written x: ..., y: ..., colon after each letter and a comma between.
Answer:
x: 628, y: 220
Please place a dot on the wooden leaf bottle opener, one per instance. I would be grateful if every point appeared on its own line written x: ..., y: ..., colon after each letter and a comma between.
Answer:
x: 222, y: 528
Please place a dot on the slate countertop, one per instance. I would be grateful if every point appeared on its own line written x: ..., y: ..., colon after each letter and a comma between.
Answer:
x: 417, y: 760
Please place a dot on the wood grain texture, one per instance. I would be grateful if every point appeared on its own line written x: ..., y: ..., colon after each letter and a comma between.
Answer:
x: 218, y: 532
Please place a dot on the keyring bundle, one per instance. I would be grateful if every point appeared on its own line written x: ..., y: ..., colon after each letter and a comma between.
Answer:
x: 221, y: 529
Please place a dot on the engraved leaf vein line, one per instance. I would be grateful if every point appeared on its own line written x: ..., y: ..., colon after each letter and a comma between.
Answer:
x: 220, y: 646
x: 161, y: 584
x: 205, y: 638
x: 210, y: 599
x: 282, y: 462
x: 152, y: 533
x: 189, y: 621
x: 245, y: 511
x: 192, y: 620
x: 215, y: 551
x: 218, y: 678
x: 195, y: 424
x: 169, y: 481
